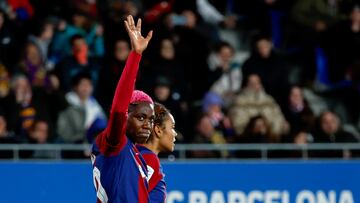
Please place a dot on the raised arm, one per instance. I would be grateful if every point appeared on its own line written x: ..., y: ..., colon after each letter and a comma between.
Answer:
x: 125, y: 87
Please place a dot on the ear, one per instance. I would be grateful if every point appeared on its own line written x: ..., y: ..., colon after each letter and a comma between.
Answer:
x: 158, y: 131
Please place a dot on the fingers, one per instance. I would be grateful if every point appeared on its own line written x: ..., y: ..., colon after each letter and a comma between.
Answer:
x: 149, y: 35
x: 129, y: 23
x: 127, y: 26
x: 138, y: 26
x: 130, y: 20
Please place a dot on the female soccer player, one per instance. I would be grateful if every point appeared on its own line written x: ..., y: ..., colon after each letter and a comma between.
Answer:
x: 161, y: 139
x: 119, y: 170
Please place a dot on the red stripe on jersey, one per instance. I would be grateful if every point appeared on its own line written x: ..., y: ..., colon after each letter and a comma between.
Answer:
x: 153, y: 161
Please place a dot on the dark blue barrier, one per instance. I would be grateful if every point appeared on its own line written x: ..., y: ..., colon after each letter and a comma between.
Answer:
x: 241, y: 182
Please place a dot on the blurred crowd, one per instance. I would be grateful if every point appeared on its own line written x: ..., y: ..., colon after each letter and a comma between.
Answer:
x: 255, y: 71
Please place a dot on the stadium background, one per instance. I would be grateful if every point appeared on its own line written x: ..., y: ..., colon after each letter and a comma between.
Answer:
x: 310, y: 44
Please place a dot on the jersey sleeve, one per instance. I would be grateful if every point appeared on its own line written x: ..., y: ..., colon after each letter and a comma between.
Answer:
x: 113, y: 139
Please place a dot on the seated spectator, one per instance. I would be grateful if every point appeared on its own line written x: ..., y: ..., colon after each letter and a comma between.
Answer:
x: 6, y: 136
x: 25, y: 104
x: 257, y: 130
x: 84, y: 117
x: 270, y: 66
x: 41, y: 38
x: 80, y: 26
x: 33, y: 66
x: 111, y: 72
x: 299, y: 137
x: 329, y: 130
x: 213, y: 108
x: 226, y: 72
x: 207, y: 134
x: 78, y: 62
x: 253, y: 101
x: 166, y: 65
x: 297, y: 111
x: 164, y: 94
x: 39, y: 134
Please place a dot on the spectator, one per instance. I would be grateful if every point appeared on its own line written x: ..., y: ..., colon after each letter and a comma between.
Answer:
x: 39, y: 134
x: 257, y: 130
x: 6, y: 136
x: 297, y: 111
x: 27, y: 104
x: 227, y: 72
x: 192, y: 49
x: 212, y: 15
x: 78, y: 62
x: 94, y: 37
x: 22, y: 9
x: 33, y: 66
x: 164, y: 94
x: 207, y: 134
x: 316, y: 15
x: 329, y: 130
x: 9, y: 44
x: 110, y: 73
x: 42, y: 38
x: 253, y: 101
x: 270, y: 66
x: 4, y: 83
x: 84, y: 117
x: 213, y: 108
x: 341, y: 55
x: 166, y: 64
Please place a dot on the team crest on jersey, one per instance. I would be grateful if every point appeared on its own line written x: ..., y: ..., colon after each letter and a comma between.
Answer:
x: 150, y: 172
x: 143, y: 175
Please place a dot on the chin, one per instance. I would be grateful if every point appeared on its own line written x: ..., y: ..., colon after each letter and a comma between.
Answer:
x: 141, y: 140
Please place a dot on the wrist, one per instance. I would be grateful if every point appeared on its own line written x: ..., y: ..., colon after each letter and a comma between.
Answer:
x: 135, y: 54
x: 137, y: 51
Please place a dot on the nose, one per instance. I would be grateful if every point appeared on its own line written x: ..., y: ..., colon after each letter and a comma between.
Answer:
x: 147, y: 124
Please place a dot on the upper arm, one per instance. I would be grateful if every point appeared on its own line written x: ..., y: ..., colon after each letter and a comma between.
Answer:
x: 117, y: 123
x: 116, y: 129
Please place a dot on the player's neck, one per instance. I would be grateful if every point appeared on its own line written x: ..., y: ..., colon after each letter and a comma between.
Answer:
x: 152, y: 146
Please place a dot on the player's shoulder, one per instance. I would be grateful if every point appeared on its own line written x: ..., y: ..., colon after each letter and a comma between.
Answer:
x: 149, y: 156
x: 144, y: 150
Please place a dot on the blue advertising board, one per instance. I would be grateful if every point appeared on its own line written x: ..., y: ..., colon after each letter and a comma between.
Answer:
x: 264, y: 182
x: 194, y: 182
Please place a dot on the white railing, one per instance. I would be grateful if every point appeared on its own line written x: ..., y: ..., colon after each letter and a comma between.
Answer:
x: 183, y: 151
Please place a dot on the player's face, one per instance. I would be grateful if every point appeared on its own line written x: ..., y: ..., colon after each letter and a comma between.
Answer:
x: 167, y: 139
x: 140, y: 122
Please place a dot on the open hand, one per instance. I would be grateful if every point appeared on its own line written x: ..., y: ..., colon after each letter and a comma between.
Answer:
x: 138, y: 42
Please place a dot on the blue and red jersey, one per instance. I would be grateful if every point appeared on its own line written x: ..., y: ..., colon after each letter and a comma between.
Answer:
x: 119, y: 170
x: 157, y: 186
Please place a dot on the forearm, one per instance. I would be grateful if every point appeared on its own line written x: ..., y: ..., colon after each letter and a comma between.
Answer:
x: 126, y: 84
x: 116, y: 129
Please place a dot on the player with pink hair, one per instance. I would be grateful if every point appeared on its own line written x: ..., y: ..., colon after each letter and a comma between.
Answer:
x: 119, y: 170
